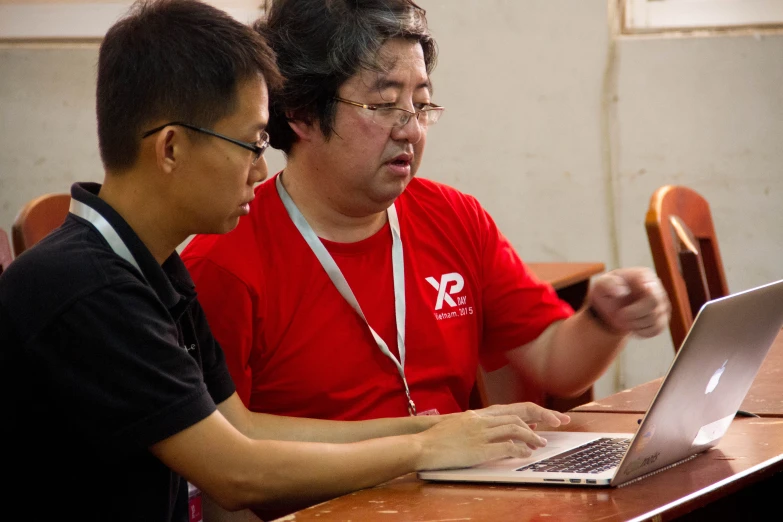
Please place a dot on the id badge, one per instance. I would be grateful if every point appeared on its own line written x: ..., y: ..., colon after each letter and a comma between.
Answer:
x: 194, y: 504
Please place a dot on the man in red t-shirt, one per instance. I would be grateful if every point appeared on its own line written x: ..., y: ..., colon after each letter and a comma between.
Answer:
x: 354, y: 290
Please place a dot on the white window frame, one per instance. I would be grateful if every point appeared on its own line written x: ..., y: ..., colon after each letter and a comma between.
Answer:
x: 85, y: 21
x: 642, y: 16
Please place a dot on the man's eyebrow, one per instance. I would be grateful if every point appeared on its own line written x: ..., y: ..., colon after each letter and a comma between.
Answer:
x: 383, y: 83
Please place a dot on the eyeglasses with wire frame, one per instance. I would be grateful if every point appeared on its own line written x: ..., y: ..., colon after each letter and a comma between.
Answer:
x: 257, y: 148
x: 395, y: 117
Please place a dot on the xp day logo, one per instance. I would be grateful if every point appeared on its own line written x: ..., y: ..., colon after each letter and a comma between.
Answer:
x: 448, y: 285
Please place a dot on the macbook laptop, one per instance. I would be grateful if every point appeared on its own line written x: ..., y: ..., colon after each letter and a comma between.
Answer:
x: 699, y: 397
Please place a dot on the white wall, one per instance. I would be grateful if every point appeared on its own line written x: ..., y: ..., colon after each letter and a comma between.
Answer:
x: 560, y: 130
x: 47, y: 124
x: 703, y: 112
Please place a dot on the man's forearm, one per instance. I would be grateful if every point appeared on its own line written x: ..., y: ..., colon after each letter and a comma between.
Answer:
x: 569, y: 356
x: 262, y: 426
x: 361, y: 465
x: 316, y: 430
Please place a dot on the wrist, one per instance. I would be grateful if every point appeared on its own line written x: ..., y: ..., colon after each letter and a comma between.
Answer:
x: 599, y: 320
x: 417, y: 446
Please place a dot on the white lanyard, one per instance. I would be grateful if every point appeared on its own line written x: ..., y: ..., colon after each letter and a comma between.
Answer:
x: 105, y: 229
x: 337, y: 277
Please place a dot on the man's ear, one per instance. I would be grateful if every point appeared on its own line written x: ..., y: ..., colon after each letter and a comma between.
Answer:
x: 303, y: 129
x: 170, y: 148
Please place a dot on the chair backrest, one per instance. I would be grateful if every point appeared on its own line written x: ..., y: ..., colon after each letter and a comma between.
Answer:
x: 5, y: 250
x: 685, y: 252
x: 37, y: 218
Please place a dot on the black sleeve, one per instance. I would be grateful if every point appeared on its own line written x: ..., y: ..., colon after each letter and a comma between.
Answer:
x: 117, y: 367
x: 9, y: 342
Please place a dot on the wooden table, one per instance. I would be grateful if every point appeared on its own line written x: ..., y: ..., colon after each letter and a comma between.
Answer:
x: 736, y: 480
x: 765, y: 397
x: 571, y: 281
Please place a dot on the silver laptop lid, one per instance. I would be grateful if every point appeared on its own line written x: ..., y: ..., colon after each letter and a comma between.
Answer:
x: 707, y: 380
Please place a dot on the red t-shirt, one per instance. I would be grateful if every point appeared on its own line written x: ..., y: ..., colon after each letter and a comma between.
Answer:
x: 295, y: 347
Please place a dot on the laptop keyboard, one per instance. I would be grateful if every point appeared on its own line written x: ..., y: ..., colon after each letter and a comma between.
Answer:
x: 594, y: 457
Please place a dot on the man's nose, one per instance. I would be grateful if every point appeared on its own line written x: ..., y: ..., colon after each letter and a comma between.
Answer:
x: 259, y: 171
x: 411, y: 132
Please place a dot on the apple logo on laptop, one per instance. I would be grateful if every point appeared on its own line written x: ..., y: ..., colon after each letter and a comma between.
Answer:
x: 715, y: 378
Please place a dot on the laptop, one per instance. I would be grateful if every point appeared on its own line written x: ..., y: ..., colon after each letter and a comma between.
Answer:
x: 699, y: 397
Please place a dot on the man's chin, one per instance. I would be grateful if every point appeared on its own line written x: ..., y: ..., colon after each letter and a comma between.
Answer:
x: 221, y: 228
x: 391, y: 191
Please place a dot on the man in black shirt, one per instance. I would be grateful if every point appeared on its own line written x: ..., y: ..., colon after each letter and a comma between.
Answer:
x: 118, y: 392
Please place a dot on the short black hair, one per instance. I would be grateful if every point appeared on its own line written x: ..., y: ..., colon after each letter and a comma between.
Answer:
x: 320, y: 44
x: 175, y: 60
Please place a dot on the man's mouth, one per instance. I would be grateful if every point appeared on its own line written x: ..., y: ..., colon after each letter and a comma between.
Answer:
x: 402, y: 160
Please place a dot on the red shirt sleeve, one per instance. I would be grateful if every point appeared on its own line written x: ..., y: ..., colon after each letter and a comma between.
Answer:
x: 228, y: 305
x: 518, y: 307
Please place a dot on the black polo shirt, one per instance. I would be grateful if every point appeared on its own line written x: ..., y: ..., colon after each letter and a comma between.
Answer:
x: 98, y: 362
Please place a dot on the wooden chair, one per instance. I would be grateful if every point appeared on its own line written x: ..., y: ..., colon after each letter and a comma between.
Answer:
x: 5, y: 250
x: 37, y: 218
x: 685, y: 252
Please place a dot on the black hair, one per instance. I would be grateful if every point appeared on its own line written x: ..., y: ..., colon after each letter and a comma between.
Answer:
x: 320, y: 44
x: 174, y: 60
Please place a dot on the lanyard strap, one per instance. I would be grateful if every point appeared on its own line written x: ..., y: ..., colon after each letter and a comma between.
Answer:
x: 339, y: 281
x: 105, y: 229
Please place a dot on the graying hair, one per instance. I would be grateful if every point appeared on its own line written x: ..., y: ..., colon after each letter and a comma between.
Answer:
x: 320, y: 44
